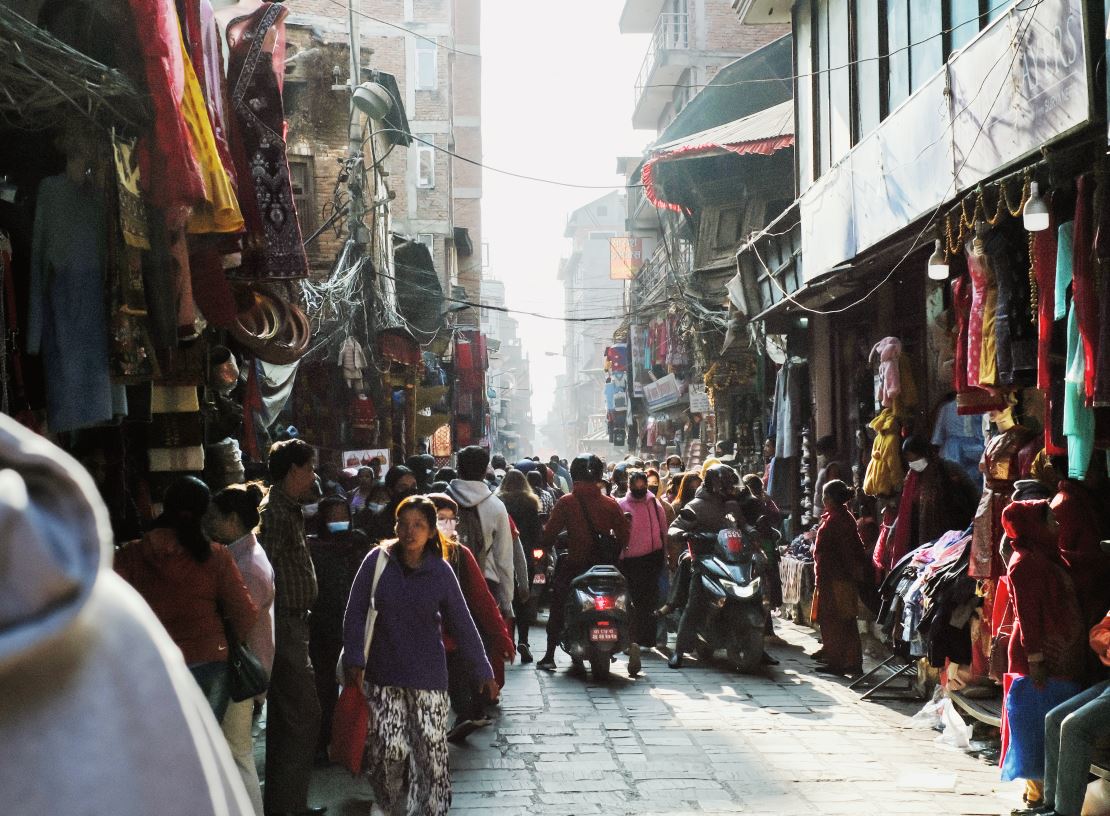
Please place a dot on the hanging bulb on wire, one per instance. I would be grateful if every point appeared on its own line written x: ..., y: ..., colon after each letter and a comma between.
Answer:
x: 938, y: 263
x: 1035, y: 213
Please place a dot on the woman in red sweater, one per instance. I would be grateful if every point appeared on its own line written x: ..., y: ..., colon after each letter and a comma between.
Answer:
x: 188, y: 583
x: 468, y: 704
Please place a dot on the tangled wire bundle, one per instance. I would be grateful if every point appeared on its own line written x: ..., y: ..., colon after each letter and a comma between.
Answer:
x: 43, y: 81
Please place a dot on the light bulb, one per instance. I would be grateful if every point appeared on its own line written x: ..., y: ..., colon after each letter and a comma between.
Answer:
x: 938, y: 264
x: 1035, y: 214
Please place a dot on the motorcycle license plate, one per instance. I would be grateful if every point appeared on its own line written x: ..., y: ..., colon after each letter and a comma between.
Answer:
x: 539, y: 578
x: 603, y: 634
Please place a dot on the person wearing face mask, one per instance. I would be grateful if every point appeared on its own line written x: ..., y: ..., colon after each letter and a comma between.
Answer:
x: 468, y: 703
x: 642, y: 561
x: 937, y: 497
x: 362, y: 494
x: 400, y: 483
x: 293, y: 712
x: 337, y: 551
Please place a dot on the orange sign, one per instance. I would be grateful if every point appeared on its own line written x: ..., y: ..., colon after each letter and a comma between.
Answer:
x: 626, y: 256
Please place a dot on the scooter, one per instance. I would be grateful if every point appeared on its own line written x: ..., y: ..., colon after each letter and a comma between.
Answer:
x: 543, y: 570
x: 730, y: 568
x: 597, y: 625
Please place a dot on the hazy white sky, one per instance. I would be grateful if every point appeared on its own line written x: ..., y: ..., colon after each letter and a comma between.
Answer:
x: 557, y: 88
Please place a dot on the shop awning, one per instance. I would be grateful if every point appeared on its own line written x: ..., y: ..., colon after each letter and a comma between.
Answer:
x: 763, y: 133
x: 419, y: 294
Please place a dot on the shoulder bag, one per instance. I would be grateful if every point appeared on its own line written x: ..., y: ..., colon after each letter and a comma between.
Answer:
x: 606, y: 544
x: 246, y: 676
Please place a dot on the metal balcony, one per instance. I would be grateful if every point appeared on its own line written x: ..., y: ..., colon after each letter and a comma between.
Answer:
x: 661, y: 70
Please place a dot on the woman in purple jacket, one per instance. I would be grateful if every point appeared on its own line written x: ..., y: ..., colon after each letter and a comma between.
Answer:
x: 405, y: 678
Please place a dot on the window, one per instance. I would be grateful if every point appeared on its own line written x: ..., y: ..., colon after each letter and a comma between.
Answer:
x: 803, y: 39
x: 868, y: 89
x: 601, y: 236
x: 963, y: 21
x: 997, y: 8
x: 898, y: 61
x: 427, y: 66
x: 425, y: 161
x: 301, y: 178
x: 834, y: 102
x: 428, y: 239
x: 927, y: 51
x: 728, y: 227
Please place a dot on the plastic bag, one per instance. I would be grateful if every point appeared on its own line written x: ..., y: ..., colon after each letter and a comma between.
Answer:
x: 931, y: 714
x: 957, y: 733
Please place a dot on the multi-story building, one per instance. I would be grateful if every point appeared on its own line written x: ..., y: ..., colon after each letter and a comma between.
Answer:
x: 589, y: 291
x: 432, y: 48
x: 509, y: 382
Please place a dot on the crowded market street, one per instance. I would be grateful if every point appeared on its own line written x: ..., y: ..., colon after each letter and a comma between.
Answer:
x: 701, y: 740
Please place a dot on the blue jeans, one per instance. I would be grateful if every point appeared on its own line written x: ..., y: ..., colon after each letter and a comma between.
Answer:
x: 1071, y: 730
x: 214, y: 681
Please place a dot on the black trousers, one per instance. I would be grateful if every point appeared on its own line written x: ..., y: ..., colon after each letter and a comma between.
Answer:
x: 642, y: 575
x: 560, y: 590
x: 324, y: 650
x: 292, y: 718
x: 462, y: 690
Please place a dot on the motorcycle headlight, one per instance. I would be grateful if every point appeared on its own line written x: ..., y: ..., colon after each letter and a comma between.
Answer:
x: 749, y: 591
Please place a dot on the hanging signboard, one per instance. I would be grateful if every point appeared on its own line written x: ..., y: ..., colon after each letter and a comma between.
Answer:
x: 358, y: 458
x: 662, y: 392
x: 626, y: 256
x: 699, y: 400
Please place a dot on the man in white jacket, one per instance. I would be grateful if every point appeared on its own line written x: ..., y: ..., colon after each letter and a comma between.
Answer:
x: 98, y: 712
x: 495, y: 556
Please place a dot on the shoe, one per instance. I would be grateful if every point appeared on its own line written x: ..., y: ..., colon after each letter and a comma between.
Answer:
x: 525, y: 653
x: 634, y: 660
x: 676, y: 660
x: 819, y: 656
x: 547, y: 663
x: 462, y: 729
x: 1034, y: 810
x: 767, y: 660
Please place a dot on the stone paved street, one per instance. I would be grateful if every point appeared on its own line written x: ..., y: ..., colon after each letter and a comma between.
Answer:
x: 702, y: 741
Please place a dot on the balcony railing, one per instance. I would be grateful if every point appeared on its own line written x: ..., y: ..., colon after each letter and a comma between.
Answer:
x: 671, y: 33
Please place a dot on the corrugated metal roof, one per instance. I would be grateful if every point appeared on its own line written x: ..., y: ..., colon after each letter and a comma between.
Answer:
x: 772, y: 125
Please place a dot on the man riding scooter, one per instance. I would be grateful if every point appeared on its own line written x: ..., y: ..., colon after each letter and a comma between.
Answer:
x: 718, y: 498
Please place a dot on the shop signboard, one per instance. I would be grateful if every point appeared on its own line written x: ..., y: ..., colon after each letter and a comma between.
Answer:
x: 626, y: 256
x: 699, y: 399
x: 662, y: 392
x: 358, y: 458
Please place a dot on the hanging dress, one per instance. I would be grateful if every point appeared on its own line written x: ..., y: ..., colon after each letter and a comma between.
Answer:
x: 273, y: 248
x: 982, y: 365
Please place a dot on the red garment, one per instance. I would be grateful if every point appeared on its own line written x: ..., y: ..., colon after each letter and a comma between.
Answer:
x: 840, y: 560
x: 1048, y: 624
x: 838, y: 552
x: 1044, y: 268
x: 169, y: 170
x: 1084, y: 287
x: 604, y: 513
x: 186, y: 594
x: 884, y: 546
x: 1081, y: 529
x: 904, y: 532
x: 483, y: 608
x: 980, y: 283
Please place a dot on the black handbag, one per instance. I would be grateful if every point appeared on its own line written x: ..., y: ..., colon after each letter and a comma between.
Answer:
x: 246, y: 677
x: 607, y: 547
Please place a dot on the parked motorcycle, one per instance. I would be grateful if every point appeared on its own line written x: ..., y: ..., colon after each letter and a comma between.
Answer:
x: 543, y: 570
x: 730, y: 569
x: 597, y: 624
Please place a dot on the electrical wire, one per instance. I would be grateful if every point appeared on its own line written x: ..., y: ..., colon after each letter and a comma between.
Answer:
x: 929, y: 223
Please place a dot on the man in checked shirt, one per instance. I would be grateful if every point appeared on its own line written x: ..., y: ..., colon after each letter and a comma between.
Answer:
x: 293, y: 710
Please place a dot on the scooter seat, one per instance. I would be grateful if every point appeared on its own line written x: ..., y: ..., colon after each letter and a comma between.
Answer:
x: 600, y: 579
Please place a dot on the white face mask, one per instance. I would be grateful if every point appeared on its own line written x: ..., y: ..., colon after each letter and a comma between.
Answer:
x: 918, y: 465
x: 375, y: 508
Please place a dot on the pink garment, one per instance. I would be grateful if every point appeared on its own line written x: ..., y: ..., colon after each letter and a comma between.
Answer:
x: 979, y: 286
x: 649, y: 523
x: 887, y: 351
x: 258, y: 575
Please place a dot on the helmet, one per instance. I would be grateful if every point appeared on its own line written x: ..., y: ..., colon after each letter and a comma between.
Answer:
x: 720, y: 480
x: 587, y: 467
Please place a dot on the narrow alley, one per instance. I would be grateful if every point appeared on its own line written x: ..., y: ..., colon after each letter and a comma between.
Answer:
x: 701, y: 740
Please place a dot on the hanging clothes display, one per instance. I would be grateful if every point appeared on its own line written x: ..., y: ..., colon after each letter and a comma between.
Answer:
x: 982, y: 362
x: 170, y: 172
x: 959, y: 439
x: 67, y: 322
x: 273, y: 248
x: 884, y: 471
x: 969, y: 400
x: 1000, y: 470
x: 787, y: 421
x: 1014, y: 328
